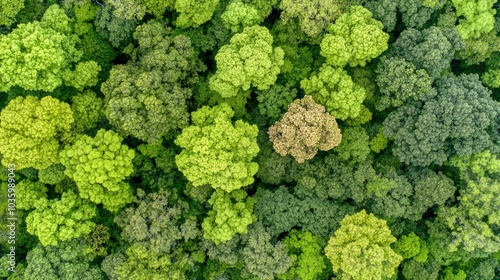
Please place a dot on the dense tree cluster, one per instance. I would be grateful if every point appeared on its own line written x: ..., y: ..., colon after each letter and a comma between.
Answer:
x: 250, y: 139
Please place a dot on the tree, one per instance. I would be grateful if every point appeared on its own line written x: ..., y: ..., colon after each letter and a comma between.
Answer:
x: 399, y: 81
x: 304, y: 129
x: 228, y: 218
x: 314, y: 16
x: 460, y: 120
x: 355, y: 145
x: 31, y: 130
x: 115, y: 29
x: 158, y: 230
x: 308, y: 259
x: 239, y: 15
x: 9, y: 10
x: 249, y: 60
x: 431, y: 49
x: 477, y: 17
x: 274, y: 101
x: 146, y: 97
x: 412, y: 246
x: 334, y: 89
x: 70, y: 260
x: 194, y: 13
x: 87, y: 110
x: 137, y: 9
x: 355, y: 38
x: 28, y: 192
x: 62, y: 219
x: 360, y: 248
x: 216, y: 152
x: 98, y: 165
x: 40, y: 55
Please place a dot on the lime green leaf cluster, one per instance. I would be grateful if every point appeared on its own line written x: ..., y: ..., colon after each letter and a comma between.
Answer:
x: 360, y: 248
x: 239, y: 15
x: 478, y: 17
x: 9, y: 10
x: 412, y: 246
x: 231, y: 214
x: 31, y: 129
x: 355, y: 144
x: 307, y: 255
x: 84, y: 14
x: 334, y: 89
x: 84, y: 75
x: 137, y: 9
x: 194, y: 13
x: 61, y: 219
x: 379, y: 142
x: 479, y: 164
x: 40, y: 55
x: 216, y: 152
x: 98, y: 165
x: 87, y: 110
x: 28, y: 192
x: 354, y: 39
x: 249, y: 60
x: 314, y: 16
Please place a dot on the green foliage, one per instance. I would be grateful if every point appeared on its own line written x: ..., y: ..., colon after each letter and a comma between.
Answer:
x: 379, y: 142
x: 478, y: 50
x: 355, y: 38
x: 230, y: 214
x: 52, y: 175
x: 146, y: 97
x: 477, y: 17
x: 84, y: 13
x: 360, y: 248
x: 9, y: 10
x: 137, y: 9
x: 399, y: 81
x: 61, y: 219
x: 87, y: 110
x: 308, y: 259
x: 31, y: 130
x: 274, y: 101
x: 334, y: 89
x: 216, y: 152
x: 314, y: 16
x: 479, y: 164
x: 194, y: 13
x: 412, y: 246
x: 69, y: 260
x: 431, y: 49
x: 115, y: 29
x: 98, y: 165
x: 239, y: 15
x: 249, y: 60
x: 459, y: 120
x: 97, y: 239
x: 28, y: 192
x: 41, y: 55
x: 355, y: 144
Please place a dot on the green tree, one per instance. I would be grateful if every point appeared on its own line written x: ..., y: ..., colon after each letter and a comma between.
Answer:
x: 249, y: 60
x: 98, y: 166
x: 314, y: 16
x: 230, y: 214
x: 308, y: 259
x: 412, y: 246
x: 117, y: 30
x: 9, y: 10
x: 274, y: 101
x: 360, y: 248
x: 41, y: 55
x: 355, y: 38
x: 477, y: 17
x: 239, y: 15
x: 146, y: 97
x: 194, y: 13
x: 70, y: 260
x: 334, y: 89
x: 460, y: 120
x: 216, y: 152
x: 87, y: 110
x: 31, y: 130
x: 304, y: 129
x: 137, y: 9
x: 28, y: 192
x: 61, y: 219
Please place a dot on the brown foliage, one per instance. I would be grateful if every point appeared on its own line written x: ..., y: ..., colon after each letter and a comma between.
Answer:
x: 304, y: 129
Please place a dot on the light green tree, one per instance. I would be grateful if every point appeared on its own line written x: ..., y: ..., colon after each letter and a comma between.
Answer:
x: 360, y: 248
x: 31, y: 130
x: 9, y: 10
x: 194, y: 13
x: 238, y: 15
x: 28, y: 192
x: 137, y: 9
x: 61, y: 219
x: 231, y: 214
x: 355, y: 38
x: 334, y: 89
x: 40, y: 55
x: 216, y: 152
x: 477, y: 17
x: 98, y: 166
x: 249, y: 60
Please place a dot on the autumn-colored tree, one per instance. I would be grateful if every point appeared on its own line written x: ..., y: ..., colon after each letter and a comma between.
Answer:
x: 304, y: 129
